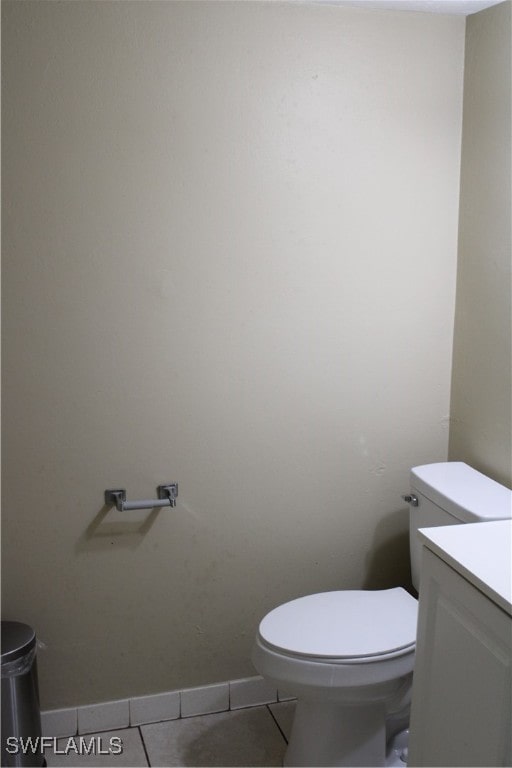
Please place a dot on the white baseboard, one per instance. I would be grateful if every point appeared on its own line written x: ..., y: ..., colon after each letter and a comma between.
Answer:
x: 171, y: 705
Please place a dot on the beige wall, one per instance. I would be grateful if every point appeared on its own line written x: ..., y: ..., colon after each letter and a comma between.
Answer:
x: 481, y: 424
x: 230, y: 237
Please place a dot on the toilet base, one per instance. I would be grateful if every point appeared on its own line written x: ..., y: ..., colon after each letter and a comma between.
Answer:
x: 330, y: 734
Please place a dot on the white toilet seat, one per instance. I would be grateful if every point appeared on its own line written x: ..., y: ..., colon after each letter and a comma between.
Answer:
x: 343, y: 627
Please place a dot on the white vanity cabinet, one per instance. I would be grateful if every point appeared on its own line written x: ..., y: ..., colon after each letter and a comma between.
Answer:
x: 461, y: 703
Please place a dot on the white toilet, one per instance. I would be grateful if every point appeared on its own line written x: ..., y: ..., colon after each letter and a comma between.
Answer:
x: 348, y: 656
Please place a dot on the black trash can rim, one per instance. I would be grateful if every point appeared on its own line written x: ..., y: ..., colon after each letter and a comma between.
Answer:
x: 18, y: 639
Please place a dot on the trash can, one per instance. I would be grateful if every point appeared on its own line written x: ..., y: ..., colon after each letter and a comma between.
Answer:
x: 21, y: 716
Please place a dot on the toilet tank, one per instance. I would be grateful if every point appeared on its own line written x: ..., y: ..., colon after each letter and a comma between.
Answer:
x: 451, y: 493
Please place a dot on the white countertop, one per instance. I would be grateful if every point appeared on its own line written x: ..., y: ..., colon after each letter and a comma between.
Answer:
x: 481, y: 552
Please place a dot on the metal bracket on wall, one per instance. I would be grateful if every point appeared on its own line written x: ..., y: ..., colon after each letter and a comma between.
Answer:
x: 167, y: 495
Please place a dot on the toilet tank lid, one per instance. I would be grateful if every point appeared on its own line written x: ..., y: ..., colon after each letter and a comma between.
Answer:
x: 462, y: 491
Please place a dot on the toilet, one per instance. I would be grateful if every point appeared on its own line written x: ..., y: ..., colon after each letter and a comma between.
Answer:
x: 348, y: 656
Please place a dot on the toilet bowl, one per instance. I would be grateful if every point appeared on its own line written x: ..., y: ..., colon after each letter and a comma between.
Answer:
x: 348, y: 657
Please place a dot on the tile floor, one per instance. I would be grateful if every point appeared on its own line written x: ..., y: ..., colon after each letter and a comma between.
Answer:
x: 256, y: 736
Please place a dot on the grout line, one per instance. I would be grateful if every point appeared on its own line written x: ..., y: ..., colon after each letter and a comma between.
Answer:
x: 275, y: 721
x: 144, y: 746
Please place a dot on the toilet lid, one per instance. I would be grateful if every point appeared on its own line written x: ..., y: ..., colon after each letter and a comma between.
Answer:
x: 346, y: 624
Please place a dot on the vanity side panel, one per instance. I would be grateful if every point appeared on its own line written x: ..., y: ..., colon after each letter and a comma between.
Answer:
x: 461, y: 704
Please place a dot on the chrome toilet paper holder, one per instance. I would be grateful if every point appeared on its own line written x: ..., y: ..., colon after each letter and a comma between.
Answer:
x: 167, y: 495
